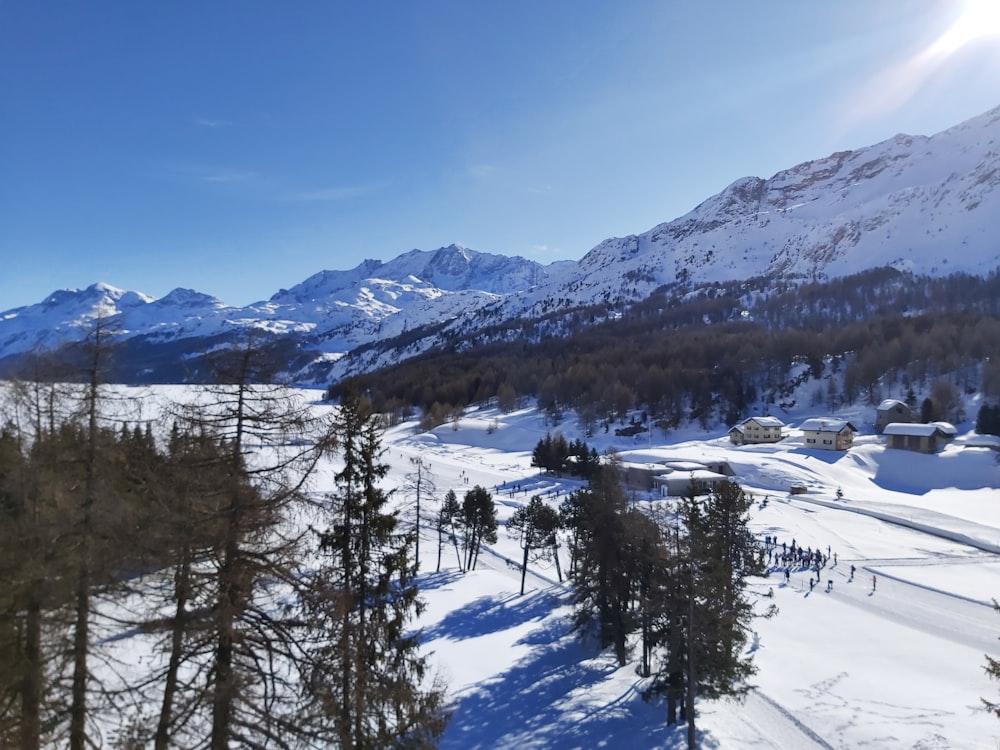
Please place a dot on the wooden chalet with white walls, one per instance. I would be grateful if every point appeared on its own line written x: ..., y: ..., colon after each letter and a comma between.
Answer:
x: 827, y: 433
x: 757, y: 430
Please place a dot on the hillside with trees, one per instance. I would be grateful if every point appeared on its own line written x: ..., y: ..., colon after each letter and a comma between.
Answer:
x: 711, y: 356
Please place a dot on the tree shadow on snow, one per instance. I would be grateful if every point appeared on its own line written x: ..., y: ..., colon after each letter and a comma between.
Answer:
x: 489, y: 614
x: 558, y: 697
x: 431, y: 581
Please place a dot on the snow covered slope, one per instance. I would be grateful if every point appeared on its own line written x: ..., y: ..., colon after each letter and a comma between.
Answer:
x: 927, y: 205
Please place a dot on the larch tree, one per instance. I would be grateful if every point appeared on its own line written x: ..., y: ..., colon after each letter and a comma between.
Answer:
x: 15, y: 652
x: 39, y: 469
x: 420, y: 485
x: 95, y: 360
x: 535, y: 525
x: 269, y: 442
x: 77, y: 511
x: 190, y: 526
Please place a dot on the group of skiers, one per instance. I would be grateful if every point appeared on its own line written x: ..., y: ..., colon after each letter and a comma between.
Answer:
x: 783, y: 556
x: 794, y: 555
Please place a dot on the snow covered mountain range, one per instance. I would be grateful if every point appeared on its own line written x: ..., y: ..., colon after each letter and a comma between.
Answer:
x: 930, y: 205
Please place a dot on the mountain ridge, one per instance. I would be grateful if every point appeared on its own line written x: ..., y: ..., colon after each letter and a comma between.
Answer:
x: 925, y: 204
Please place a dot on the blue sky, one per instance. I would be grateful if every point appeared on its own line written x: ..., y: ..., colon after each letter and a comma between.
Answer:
x: 239, y: 147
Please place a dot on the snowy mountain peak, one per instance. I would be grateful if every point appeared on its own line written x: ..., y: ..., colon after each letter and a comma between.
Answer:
x: 181, y: 297
x: 97, y: 299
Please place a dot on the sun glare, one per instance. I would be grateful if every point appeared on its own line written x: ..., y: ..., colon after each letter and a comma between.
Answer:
x: 979, y: 18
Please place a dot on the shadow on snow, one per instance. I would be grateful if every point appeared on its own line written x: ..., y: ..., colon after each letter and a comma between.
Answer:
x: 560, y: 696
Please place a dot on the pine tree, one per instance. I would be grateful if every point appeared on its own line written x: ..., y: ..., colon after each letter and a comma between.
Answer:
x: 648, y: 560
x: 603, y: 583
x: 725, y: 553
x: 710, y: 612
x: 988, y: 420
x: 541, y: 455
x: 364, y: 679
x: 571, y: 519
x: 479, y: 519
x: 927, y: 410
x: 448, y: 519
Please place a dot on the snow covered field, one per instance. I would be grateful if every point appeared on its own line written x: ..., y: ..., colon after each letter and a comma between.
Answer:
x: 900, y: 666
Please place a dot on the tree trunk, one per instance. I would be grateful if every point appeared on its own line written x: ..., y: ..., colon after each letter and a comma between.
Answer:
x: 31, y: 686
x: 440, y: 545
x: 692, y: 740
x: 178, y: 631
x: 458, y: 555
x: 81, y: 635
x: 222, y: 695
x: 470, y: 552
x: 647, y: 646
x: 81, y: 641
x: 674, y: 677
x: 621, y: 652
x: 524, y: 567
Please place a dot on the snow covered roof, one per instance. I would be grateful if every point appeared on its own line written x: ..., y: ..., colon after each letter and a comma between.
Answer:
x: 702, y: 475
x: 946, y: 427
x: 685, y: 465
x: 765, y: 421
x: 826, y: 424
x: 916, y: 429
x: 890, y: 403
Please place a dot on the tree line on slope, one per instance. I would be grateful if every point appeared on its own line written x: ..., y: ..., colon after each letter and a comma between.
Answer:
x: 707, y: 373
x: 705, y: 353
x: 191, y: 555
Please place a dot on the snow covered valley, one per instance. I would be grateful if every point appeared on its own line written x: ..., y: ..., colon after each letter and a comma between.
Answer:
x: 897, y: 665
